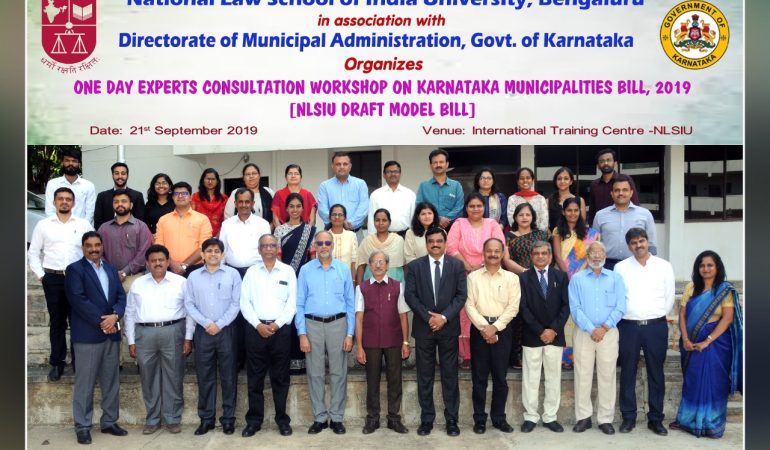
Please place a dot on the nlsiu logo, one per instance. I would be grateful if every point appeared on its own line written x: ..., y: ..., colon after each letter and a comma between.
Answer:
x: 68, y: 29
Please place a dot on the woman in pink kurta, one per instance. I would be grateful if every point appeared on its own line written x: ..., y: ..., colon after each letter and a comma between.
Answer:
x: 466, y: 243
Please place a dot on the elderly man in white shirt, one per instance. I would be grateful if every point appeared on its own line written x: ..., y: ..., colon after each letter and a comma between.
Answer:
x: 649, y: 282
x: 399, y: 200
x: 159, y: 333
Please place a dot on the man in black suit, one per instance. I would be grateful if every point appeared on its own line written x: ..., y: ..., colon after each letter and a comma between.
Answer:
x: 98, y: 301
x: 544, y: 310
x: 436, y: 291
x: 103, y: 211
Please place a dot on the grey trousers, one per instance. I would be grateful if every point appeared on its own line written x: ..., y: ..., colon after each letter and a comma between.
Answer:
x: 96, y: 362
x: 327, y: 338
x: 161, y: 365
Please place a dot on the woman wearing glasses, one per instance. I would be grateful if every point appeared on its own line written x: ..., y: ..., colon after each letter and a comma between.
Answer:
x: 263, y: 195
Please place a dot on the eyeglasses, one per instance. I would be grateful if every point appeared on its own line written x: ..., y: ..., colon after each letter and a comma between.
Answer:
x: 181, y: 194
x: 337, y: 214
x: 599, y: 253
x: 272, y: 245
x: 484, y: 178
x: 380, y: 262
x: 323, y: 243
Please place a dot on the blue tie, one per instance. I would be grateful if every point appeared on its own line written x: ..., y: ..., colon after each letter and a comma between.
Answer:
x: 543, y: 283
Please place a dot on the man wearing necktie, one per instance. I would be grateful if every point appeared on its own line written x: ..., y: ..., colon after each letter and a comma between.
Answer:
x: 544, y: 310
x: 436, y: 291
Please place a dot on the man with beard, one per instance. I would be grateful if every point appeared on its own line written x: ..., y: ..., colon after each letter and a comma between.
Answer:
x: 104, y: 211
x: 55, y: 244
x: 597, y: 301
x: 600, y: 192
x: 125, y: 239
x: 85, y: 194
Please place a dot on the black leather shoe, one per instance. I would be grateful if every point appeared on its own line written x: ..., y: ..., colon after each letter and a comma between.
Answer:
x: 284, y: 429
x: 397, y: 426
x: 503, y: 426
x: 115, y: 430
x: 370, y: 426
x: 424, y: 429
x: 582, y: 425
x: 84, y: 436
x: 657, y: 428
x: 227, y: 428
x: 452, y: 429
x: 250, y: 430
x: 204, y: 428
x: 338, y: 427
x: 479, y: 428
x: 627, y: 425
x: 554, y: 426
x: 317, y: 427
x: 607, y: 428
x: 527, y: 426
x: 55, y: 375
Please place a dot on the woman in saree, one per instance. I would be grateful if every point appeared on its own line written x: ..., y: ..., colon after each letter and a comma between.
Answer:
x: 425, y: 217
x: 711, y: 323
x: 296, y: 239
x: 345, y: 241
x: 389, y: 243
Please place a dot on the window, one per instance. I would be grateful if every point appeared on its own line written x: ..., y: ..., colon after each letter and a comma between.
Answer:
x: 713, y: 182
x: 367, y: 166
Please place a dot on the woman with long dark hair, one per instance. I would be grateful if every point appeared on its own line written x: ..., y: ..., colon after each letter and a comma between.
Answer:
x: 425, y: 217
x: 293, y: 175
x: 263, y: 195
x: 564, y: 182
x: 159, y: 201
x: 495, y: 202
x: 525, y: 181
x: 209, y: 200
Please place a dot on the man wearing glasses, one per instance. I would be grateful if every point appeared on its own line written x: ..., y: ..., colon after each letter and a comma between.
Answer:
x: 399, y: 200
x: 182, y: 232
x: 325, y: 323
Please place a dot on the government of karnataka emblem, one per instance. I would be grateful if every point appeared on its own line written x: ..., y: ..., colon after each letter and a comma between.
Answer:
x: 694, y: 35
x: 68, y: 29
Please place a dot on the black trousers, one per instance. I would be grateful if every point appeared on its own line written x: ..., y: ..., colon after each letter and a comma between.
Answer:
x: 609, y: 263
x: 517, y: 329
x: 373, y: 367
x: 212, y: 353
x: 239, y: 325
x: 425, y: 354
x: 263, y: 356
x: 59, y: 312
x: 486, y: 359
x: 652, y: 339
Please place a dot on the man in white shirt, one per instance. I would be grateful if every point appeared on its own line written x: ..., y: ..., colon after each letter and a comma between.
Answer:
x: 157, y: 319
x: 55, y: 244
x: 649, y: 282
x: 397, y: 199
x: 85, y: 193
x: 268, y: 302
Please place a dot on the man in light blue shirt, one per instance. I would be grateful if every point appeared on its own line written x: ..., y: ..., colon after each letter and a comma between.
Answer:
x: 443, y: 192
x: 212, y: 299
x: 346, y: 190
x: 325, y: 322
x: 597, y: 301
x: 613, y: 222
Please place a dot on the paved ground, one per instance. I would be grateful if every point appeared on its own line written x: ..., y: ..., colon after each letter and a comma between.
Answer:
x: 56, y: 437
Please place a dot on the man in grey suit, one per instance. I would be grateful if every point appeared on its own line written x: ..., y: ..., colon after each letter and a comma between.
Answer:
x: 98, y: 301
x: 436, y: 291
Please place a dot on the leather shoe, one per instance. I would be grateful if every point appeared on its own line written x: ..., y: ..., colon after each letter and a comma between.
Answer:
x: 503, y: 426
x: 228, y: 428
x: 249, y: 430
x: 424, y: 429
x: 554, y: 426
x: 174, y: 428
x: 204, y: 428
x: 370, y: 426
x: 627, y: 425
x: 284, y: 429
x: 527, y: 426
x: 115, y: 430
x: 397, y: 426
x: 55, y: 373
x: 317, y: 427
x: 149, y: 429
x: 657, y: 428
x: 452, y: 429
x: 338, y: 427
x: 607, y: 428
x: 84, y: 436
x: 582, y: 425
x: 479, y: 427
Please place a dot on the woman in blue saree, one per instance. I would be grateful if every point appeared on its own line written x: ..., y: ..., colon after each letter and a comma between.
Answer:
x: 711, y: 323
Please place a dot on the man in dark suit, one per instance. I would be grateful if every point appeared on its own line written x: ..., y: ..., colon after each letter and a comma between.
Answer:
x: 98, y: 301
x: 436, y: 291
x: 103, y: 212
x: 544, y: 310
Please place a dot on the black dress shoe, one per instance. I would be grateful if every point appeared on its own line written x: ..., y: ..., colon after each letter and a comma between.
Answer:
x: 370, y: 426
x: 204, y: 428
x: 338, y: 427
x: 317, y: 427
x: 397, y: 426
x: 452, y: 429
x: 115, y: 430
x: 554, y: 426
x: 582, y: 425
x: 527, y: 426
x: 55, y: 375
x: 284, y: 429
x: 627, y: 425
x: 503, y: 426
x: 227, y: 428
x: 424, y: 429
x: 250, y: 430
x: 84, y: 436
x: 657, y: 428
x: 607, y: 428
x: 479, y: 428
